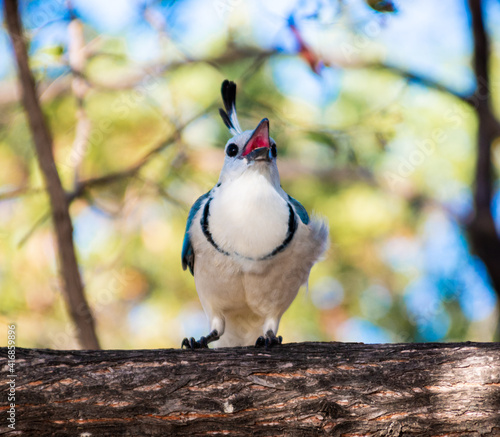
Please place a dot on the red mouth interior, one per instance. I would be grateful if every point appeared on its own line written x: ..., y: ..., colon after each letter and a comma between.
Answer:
x: 259, y: 138
x: 256, y: 142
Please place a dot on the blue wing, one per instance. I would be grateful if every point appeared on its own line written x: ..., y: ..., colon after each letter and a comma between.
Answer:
x: 187, y: 248
x: 300, y: 210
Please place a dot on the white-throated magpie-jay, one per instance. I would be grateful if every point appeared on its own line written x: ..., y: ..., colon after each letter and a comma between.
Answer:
x: 249, y: 245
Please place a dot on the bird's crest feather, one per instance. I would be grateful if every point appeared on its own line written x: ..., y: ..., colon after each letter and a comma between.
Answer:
x: 229, y: 117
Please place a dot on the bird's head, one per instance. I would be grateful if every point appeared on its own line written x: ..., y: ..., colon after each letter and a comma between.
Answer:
x: 251, y: 150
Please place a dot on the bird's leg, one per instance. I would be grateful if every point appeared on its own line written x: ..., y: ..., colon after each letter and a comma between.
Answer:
x: 202, y: 343
x: 269, y: 340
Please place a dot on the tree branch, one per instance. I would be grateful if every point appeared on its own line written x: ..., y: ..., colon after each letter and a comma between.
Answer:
x: 75, y: 297
x: 84, y: 185
x: 305, y: 389
x: 426, y: 81
x: 135, y: 79
x: 20, y: 192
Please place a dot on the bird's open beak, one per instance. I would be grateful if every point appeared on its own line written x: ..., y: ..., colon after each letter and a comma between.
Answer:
x: 257, y: 147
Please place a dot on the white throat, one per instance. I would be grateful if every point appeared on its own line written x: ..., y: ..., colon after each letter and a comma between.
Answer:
x: 248, y: 216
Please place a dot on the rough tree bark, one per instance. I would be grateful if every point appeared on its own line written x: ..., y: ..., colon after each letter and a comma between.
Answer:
x: 297, y: 389
x: 73, y: 287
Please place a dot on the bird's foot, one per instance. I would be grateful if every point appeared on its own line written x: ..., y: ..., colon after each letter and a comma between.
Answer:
x: 191, y: 343
x: 269, y: 340
x: 202, y: 343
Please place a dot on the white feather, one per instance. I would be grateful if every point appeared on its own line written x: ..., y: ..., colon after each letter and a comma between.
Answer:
x: 248, y: 216
x: 234, y: 120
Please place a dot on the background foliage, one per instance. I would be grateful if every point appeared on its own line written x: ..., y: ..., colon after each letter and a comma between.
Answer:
x: 363, y: 141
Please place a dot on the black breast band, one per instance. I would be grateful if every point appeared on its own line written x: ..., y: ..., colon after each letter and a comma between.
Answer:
x: 292, y: 227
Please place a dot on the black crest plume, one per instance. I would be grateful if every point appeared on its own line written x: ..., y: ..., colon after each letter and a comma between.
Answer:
x: 229, y: 117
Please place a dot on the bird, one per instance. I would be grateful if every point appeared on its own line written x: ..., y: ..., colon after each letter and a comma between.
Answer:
x: 249, y: 245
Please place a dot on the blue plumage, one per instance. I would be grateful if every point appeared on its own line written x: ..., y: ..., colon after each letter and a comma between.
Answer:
x: 299, y: 209
x: 187, y: 247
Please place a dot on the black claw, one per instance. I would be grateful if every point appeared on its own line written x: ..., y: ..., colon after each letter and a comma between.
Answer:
x: 202, y: 343
x: 261, y: 341
x: 191, y: 343
x: 269, y: 340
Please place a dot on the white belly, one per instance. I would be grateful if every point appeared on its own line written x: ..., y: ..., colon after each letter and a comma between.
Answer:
x: 248, y: 217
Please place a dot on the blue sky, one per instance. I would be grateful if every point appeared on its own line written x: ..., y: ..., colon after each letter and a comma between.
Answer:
x: 425, y: 36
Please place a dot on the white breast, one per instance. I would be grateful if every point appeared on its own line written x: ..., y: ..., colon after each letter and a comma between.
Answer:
x: 248, y: 216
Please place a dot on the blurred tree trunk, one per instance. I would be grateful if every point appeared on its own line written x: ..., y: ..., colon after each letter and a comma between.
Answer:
x: 304, y: 389
x: 73, y: 287
x: 482, y: 232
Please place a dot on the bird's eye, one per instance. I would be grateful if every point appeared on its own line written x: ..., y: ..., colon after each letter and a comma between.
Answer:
x: 232, y: 150
x: 274, y: 151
